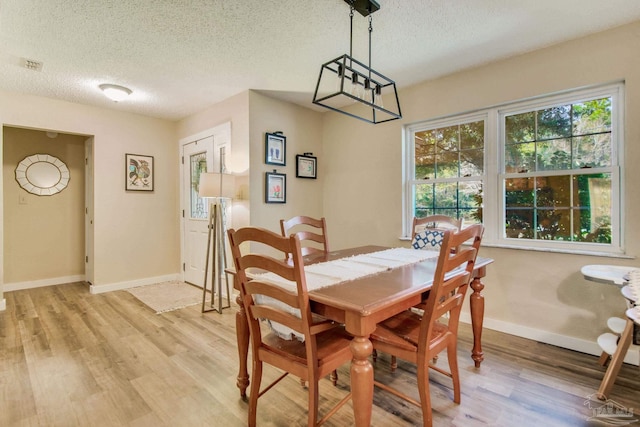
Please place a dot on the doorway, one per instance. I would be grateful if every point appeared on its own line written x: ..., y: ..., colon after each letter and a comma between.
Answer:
x: 200, y: 153
x: 44, y: 235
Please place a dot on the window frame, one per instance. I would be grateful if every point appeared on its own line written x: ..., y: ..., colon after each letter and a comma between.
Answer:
x: 494, y: 203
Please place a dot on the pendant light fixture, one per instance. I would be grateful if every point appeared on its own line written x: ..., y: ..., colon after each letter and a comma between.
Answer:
x: 350, y: 87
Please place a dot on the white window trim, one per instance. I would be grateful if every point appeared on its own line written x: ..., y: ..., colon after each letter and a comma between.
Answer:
x: 493, y: 197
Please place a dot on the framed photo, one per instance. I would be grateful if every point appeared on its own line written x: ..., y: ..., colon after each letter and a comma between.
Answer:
x: 275, y: 149
x: 275, y: 188
x: 139, y: 172
x: 306, y: 166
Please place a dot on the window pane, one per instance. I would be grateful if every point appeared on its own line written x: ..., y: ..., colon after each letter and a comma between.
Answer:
x: 198, y: 165
x: 592, y: 151
x: 471, y: 162
x: 519, y: 192
x: 553, y: 191
x: 519, y: 224
x: 593, y: 207
x: 424, y: 146
x: 554, y: 154
x: 472, y: 135
x: 519, y: 158
x: 449, y: 139
x: 423, y: 200
x: 447, y: 165
x: 592, y: 117
x: 446, y: 195
x: 470, y: 201
x: 553, y: 224
x: 554, y: 122
x: 520, y: 128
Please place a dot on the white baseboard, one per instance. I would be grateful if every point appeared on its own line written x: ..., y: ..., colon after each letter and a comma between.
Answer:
x: 98, y: 289
x: 571, y: 343
x: 17, y: 286
x: 3, y: 304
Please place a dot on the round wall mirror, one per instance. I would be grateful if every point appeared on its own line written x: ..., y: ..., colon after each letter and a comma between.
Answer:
x: 42, y: 174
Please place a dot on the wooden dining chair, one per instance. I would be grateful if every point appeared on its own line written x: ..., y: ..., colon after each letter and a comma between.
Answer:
x: 427, y: 232
x: 418, y: 338
x: 280, y: 295
x: 312, y: 233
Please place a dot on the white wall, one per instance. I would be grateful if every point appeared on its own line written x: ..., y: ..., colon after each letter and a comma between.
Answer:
x: 136, y: 236
x: 535, y: 294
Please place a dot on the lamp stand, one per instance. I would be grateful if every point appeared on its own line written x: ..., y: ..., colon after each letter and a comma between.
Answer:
x: 218, y: 259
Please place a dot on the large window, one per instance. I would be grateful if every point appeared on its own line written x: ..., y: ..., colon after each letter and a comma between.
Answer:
x: 541, y: 173
x: 448, y: 170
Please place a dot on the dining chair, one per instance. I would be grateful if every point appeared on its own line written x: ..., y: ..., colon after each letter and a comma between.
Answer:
x: 418, y: 338
x: 274, y: 290
x: 427, y: 232
x: 311, y: 231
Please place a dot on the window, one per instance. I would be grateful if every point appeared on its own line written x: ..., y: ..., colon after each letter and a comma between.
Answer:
x: 541, y: 173
x: 448, y: 161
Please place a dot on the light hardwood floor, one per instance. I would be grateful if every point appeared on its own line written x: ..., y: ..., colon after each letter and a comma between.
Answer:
x: 69, y: 358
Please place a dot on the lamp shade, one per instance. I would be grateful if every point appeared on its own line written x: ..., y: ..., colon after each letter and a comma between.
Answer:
x: 216, y: 185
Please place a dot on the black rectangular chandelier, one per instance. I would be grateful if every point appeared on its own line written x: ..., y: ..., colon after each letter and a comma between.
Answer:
x: 350, y: 87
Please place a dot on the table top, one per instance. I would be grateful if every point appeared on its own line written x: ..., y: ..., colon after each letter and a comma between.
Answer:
x: 375, y: 293
x: 608, y: 274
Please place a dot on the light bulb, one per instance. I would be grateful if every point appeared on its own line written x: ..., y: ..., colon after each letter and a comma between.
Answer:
x: 377, y: 97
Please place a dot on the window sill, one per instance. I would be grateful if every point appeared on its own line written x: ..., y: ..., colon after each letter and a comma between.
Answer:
x: 619, y: 255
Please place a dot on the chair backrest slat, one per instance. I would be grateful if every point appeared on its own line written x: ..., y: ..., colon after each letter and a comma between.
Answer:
x: 451, y: 280
x: 308, y: 230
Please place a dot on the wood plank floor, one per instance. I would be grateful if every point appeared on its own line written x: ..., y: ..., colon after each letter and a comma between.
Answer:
x: 69, y: 358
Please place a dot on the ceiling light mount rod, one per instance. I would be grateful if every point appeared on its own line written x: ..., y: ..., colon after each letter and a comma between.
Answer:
x: 348, y: 86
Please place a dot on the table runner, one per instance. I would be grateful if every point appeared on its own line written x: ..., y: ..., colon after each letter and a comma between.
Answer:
x: 331, y: 273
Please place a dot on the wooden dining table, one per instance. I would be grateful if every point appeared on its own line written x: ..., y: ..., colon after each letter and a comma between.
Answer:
x: 360, y: 305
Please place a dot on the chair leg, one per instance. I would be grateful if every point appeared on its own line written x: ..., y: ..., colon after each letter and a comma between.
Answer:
x: 313, y: 403
x: 255, y: 391
x: 604, y: 359
x: 425, y: 396
x: 334, y: 377
x: 452, y: 356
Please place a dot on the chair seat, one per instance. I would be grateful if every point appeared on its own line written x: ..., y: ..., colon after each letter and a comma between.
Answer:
x: 331, y: 344
x: 403, y: 331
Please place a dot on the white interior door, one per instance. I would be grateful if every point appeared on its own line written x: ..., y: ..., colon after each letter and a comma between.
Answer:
x: 198, y: 157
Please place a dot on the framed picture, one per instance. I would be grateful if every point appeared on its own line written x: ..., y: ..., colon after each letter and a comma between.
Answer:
x: 275, y: 188
x: 275, y: 149
x: 139, y: 172
x: 306, y: 166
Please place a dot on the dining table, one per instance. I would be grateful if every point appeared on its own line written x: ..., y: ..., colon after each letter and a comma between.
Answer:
x: 360, y: 304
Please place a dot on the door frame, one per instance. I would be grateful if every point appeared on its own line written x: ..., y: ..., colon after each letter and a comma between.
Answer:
x: 220, y: 131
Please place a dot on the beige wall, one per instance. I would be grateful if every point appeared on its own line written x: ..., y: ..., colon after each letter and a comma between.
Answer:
x: 302, y: 128
x: 535, y: 294
x: 43, y: 235
x: 136, y: 234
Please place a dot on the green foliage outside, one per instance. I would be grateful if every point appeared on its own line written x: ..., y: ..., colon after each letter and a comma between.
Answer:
x: 574, y: 138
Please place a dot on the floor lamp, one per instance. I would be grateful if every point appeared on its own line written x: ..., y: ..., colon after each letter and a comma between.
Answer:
x: 218, y: 188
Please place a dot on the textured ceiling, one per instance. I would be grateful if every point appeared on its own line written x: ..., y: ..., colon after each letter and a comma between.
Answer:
x: 182, y: 56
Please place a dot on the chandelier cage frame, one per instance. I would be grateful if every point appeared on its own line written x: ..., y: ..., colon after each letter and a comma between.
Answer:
x: 344, y: 80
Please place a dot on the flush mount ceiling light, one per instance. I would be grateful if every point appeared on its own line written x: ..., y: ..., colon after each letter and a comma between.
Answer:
x: 114, y: 92
x: 344, y: 80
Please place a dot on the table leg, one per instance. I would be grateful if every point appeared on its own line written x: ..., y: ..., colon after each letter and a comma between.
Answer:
x: 477, y: 317
x: 616, y: 361
x: 242, y: 335
x: 361, y: 380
